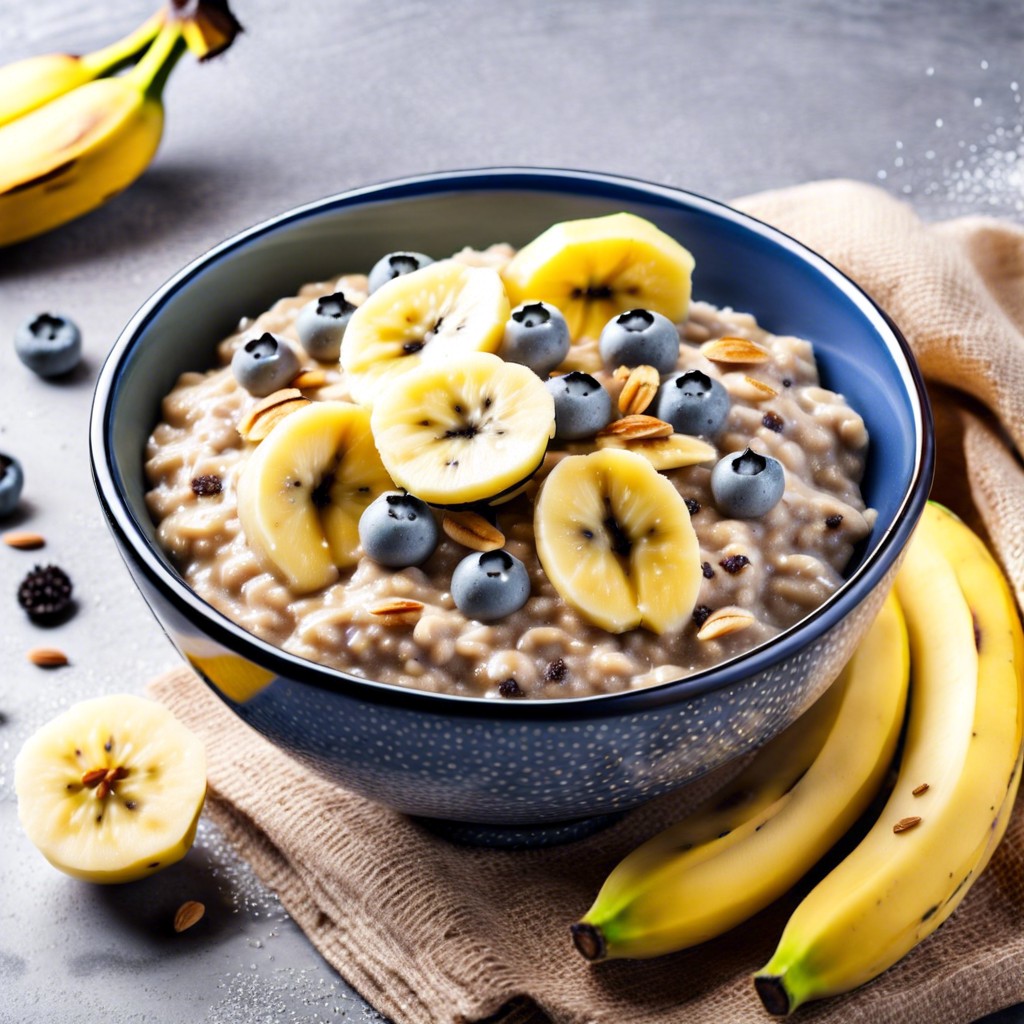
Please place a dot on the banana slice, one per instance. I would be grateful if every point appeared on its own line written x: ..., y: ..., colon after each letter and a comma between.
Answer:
x: 111, y: 790
x: 595, y: 269
x: 614, y: 537
x: 445, y: 309
x: 464, y: 431
x: 304, y: 488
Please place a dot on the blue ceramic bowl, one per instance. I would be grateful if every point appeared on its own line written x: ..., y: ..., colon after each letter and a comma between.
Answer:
x: 521, y: 766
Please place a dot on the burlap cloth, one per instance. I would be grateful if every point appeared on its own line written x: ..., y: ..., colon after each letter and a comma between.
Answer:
x: 430, y: 931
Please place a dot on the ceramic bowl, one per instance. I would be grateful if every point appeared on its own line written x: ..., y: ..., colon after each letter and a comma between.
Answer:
x: 514, y: 770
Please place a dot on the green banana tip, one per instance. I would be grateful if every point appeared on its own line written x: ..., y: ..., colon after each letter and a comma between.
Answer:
x: 943, y: 508
x: 588, y: 940
x: 772, y: 991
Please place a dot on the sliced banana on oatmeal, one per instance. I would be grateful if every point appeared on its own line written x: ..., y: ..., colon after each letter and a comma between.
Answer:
x: 596, y: 268
x: 302, y: 492
x: 615, y: 539
x: 464, y: 430
x: 445, y: 309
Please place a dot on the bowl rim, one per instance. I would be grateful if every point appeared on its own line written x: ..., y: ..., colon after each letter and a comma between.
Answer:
x: 213, y: 623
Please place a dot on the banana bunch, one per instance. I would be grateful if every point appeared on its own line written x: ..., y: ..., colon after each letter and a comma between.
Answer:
x: 74, y: 133
x: 952, y: 630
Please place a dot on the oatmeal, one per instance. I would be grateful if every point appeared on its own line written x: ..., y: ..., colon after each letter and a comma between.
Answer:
x: 760, y: 561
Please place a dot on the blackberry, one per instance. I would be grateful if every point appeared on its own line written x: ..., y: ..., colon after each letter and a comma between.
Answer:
x: 45, y: 593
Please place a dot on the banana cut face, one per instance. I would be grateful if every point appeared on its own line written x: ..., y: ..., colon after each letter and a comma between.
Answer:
x: 111, y: 790
x: 442, y: 311
x: 303, y: 490
x: 614, y: 537
x: 464, y: 431
x: 596, y: 268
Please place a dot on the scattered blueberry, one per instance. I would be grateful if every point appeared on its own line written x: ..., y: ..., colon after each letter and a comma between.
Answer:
x: 321, y: 326
x: 747, y: 485
x: 264, y: 364
x: 640, y: 337
x: 398, y: 530
x: 395, y: 264
x: 45, y: 593
x: 490, y: 585
x: 693, y: 403
x: 49, y: 344
x: 582, y: 406
x: 12, y: 479
x: 536, y: 336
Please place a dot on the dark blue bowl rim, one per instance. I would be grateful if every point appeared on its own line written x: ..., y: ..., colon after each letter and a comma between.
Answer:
x: 209, y: 621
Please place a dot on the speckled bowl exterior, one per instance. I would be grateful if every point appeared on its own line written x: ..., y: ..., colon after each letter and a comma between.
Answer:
x: 514, y: 764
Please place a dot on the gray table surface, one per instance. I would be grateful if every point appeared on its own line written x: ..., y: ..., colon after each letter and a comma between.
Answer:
x: 920, y: 97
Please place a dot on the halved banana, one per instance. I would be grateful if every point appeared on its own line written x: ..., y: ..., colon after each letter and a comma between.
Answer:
x: 445, y: 309
x: 111, y: 789
x: 304, y: 488
x: 615, y: 538
x: 464, y: 430
x: 597, y: 268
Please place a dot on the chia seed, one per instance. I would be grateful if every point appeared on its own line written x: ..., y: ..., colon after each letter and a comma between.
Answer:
x: 705, y: 568
x: 833, y: 522
x: 734, y: 564
x: 692, y: 505
x: 206, y: 486
x: 556, y: 671
x: 701, y: 614
x: 773, y: 421
x: 509, y: 688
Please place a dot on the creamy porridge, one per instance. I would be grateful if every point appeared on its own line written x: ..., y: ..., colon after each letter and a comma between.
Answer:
x: 755, y: 575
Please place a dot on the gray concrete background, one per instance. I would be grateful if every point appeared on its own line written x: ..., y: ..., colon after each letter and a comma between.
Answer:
x: 920, y: 97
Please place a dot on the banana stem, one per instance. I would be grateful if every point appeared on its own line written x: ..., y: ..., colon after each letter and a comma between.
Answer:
x: 112, y: 58
x: 151, y: 73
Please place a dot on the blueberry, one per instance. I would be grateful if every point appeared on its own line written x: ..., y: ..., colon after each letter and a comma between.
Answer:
x: 640, y: 337
x: 398, y: 530
x: 693, y: 403
x: 264, y: 364
x: 11, y: 481
x: 490, y: 585
x: 321, y: 325
x: 537, y: 336
x: 395, y: 264
x: 582, y: 406
x: 747, y: 485
x: 49, y: 344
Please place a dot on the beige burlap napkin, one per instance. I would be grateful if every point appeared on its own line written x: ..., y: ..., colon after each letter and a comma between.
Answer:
x: 432, y: 932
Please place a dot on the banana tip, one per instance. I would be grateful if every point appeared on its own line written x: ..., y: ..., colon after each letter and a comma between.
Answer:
x: 588, y: 940
x: 773, y: 994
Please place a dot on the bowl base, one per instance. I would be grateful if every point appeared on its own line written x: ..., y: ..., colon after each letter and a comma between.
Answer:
x: 518, y: 837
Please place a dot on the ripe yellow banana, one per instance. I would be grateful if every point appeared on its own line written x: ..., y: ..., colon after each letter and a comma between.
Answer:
x: 746, y: 848
x: 80, y: 149
x: 958, y: 777
x: 28, y: 84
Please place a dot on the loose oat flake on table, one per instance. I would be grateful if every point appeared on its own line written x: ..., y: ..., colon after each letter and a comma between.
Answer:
x: 421, y: 400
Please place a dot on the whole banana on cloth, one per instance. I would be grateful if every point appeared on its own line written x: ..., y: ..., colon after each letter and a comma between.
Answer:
x: 74, y: 133
x: 950, y: 627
